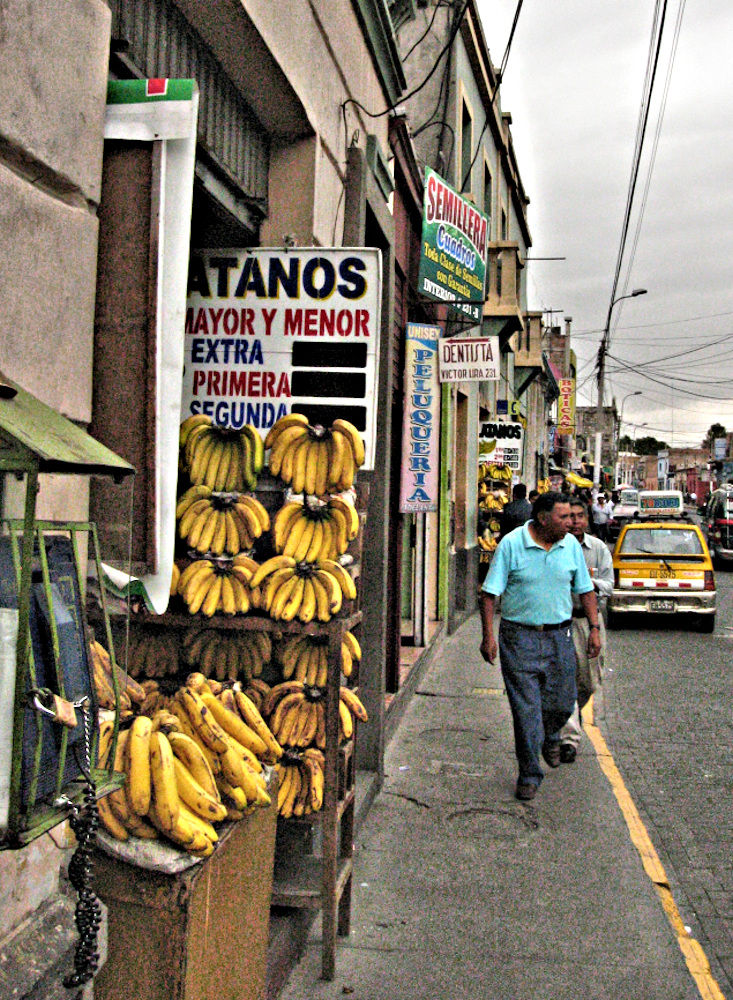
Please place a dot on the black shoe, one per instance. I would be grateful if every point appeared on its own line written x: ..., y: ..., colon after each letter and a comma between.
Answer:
x: 525, y: 790
x: 567, y: 753
x: 551, y: 753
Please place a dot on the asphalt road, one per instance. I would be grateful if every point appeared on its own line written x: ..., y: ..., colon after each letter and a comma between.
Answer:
x: 667, y: 715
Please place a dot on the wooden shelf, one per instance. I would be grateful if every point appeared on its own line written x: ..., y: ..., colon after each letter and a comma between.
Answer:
x: 299, y: 882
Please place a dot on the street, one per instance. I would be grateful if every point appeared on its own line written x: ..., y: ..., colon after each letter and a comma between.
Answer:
x: 666, y: 716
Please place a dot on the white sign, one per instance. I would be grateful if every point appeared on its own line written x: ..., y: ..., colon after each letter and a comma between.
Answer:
x: 721, y: 448
x: 269, y: 332
x: 501, y: 444
x: 469, y: 359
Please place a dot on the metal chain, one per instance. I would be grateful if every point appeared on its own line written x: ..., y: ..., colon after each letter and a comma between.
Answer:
x: 88, y: 915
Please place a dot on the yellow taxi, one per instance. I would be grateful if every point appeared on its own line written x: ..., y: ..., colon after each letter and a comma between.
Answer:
x: 661, y: 565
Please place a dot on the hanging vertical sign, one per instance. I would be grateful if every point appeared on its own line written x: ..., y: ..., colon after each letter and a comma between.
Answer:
x: 421, y: 432
x: 566, y: 406
x: 453, y: 249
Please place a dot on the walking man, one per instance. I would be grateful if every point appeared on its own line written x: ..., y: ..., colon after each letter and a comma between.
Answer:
x: 536, y: 569
x: 588, y: 676
x: 601, y: 518
x: 517, y: 511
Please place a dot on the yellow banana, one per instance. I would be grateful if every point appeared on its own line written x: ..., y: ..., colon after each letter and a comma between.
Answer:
x: 332, y: 587
x: 259, y: 511
x: 192, y: 756
x: 353, y: 703
x: 289, y: 420
x: 353, y: 437
x: 304, y: 541
x: 348, y: 587
x: 222, y: 471
x: 206, y: 536
x: 162, y: 772
x: 324, y: 457
x: 282, y: 596
x: 110, y: 822
x: 283, y: 443
x: 190, y: 573
x: 212, y: 466
x: 233, y: 793
x: 117, y: 800
x: 307, y: 609
x: 258, y: 447
x: 347, y: 723
x: 292, y: 605
x: 198, y: 822
x: 300, y: 465
x: 218, y: 542
x: 337, y: 445
x: 138, y: 772
x: 348, y: 470
x: 211, y: 602
x: 202, y: 720
x: 340, y: 533
x: 195, y: 420
x: 322, y: 598
x: 311, y: 468
x: 317, y: 542
x: 234, y: 726
x: 252, y: 718
x: 275, y: 563
x: 195, y: 797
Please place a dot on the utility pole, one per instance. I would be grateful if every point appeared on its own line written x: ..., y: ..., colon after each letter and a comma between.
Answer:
x: 602, y: 351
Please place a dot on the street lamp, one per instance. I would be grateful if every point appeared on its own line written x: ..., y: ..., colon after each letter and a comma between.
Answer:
x: 620, y: 424
x: 602, y: 350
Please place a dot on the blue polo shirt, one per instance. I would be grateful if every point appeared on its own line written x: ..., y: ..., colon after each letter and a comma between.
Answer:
x: 537, y: 584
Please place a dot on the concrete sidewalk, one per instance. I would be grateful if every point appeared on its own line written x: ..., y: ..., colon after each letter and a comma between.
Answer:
x: 463, y: 893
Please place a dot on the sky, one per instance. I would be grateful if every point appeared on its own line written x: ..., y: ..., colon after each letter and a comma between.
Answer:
x: 574, y: 84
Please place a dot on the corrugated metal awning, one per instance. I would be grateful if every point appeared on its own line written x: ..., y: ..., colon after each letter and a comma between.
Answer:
x: 34, y: 436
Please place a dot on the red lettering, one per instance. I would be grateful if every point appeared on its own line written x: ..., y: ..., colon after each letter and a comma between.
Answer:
x: 327, y: 321
x: 283, y: 386
x: 230, y: 322
x: 199, y: 377
x: 268, y: 315
x: 362, y: 321
x: 311, y: 321
x: 268, y: 383
x: 344, y: 322
x: 188, y: 328
x: 293, y: 322
x: 212, y: 389
x: 237, y: 383
x: 215, y: 317
x: 200, y: 325
x: 248, y: 316
x: 255, y: 384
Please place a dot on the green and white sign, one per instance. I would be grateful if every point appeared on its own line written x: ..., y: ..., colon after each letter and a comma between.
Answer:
x: 454, y: 244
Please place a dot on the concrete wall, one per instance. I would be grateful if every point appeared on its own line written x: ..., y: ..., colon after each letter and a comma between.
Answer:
x: 54, y: 58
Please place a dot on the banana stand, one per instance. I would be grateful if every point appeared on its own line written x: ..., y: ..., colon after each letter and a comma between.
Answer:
x: 198, y: 935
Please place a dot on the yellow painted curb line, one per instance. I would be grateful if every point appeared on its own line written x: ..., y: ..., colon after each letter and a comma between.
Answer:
x: 692, y: 951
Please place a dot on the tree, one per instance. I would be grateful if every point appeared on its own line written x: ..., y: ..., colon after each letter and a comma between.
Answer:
x: 649, y: 446
x: 715, y: 431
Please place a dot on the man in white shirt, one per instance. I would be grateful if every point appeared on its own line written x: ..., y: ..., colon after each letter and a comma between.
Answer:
x: 600, y: 518
x: 588, y: 676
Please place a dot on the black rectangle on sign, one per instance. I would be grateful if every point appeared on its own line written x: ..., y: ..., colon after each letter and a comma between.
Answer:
x: 343, y: 384
x: 325, y: 415
x: 329, y: 356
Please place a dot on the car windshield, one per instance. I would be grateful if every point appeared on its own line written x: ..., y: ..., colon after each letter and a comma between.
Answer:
x: 629, y: 496
x: 662, y: 541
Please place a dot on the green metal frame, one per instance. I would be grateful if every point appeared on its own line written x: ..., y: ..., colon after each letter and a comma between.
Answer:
x: 40, y: 817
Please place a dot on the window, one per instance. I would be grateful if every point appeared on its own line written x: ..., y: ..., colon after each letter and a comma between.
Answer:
x: 466, y: 143
x: 504, y: 226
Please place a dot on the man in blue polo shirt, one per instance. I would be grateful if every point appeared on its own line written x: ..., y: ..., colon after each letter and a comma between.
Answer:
x: 536, y: 569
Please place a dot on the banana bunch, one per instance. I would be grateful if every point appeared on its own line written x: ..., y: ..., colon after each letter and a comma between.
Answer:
x: 209, y: 586
x: 300, y: 783
x: 543, y: 485
x: 493, y: 501
x: 220, y: 523
x: 296, y: 714
x: 256, y: 690
x: 315, y: 530
x: 303, y: 590
x: 175, y: 577
x: 502, y: 473
x: 314, y: 459
x: 104, y: 671
x: 227, y: 655
x: 152, y: 654
x: 225, y: 460
x: 487, y: 544
x: 305, y: 658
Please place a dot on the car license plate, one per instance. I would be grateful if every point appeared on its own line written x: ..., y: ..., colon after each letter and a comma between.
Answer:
x: 661, y: 605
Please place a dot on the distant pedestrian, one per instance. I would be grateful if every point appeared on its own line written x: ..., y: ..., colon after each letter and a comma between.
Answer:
x: 536, y: 570
x: 600, y: 518
x: 533, y: 494
x: 589, y: 671
x: 517, y: 511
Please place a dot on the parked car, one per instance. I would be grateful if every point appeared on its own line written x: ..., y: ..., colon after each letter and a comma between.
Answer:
x: 662, y: 565
x: 718, y: 522
x: 626, y: 508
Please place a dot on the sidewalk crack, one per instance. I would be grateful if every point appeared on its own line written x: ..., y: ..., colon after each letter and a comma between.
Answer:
x: 408, y: 798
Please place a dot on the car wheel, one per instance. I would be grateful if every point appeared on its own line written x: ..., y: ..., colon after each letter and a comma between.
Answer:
x: 706, y: 624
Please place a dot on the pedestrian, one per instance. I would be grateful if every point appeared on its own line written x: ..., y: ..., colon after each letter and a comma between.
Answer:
x: 590, y: 668
x: 600, y: 518
x: 536, y: 570
x: 516, y: 512
x: 533, y: 494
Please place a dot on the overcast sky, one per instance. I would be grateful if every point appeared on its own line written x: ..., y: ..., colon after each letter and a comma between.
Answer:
x: 574, y: 84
